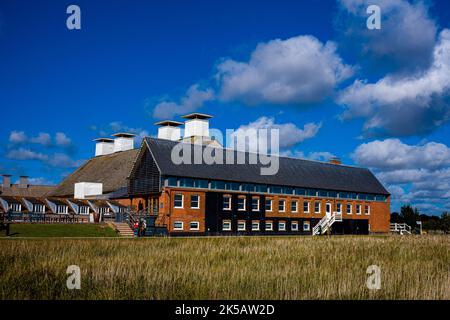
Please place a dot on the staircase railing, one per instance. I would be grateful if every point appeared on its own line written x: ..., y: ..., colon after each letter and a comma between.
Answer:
x: 326, y: 222
x: 401, y: 228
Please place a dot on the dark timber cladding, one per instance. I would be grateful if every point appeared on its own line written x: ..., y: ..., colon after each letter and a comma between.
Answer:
x: 145, y: 177
x: 292, y: 172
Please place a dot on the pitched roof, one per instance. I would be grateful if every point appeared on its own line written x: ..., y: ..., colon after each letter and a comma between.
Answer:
x: 112, y: 170
x: 292, y: 172
x: 30, y: 191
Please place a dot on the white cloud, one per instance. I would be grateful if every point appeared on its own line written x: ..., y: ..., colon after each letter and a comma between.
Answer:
x: 323, y: 156
x: 289, y: 133
x: 62, y: 140
x: 42, y: 138
x: 193, y: 100
x: 40, y: 181
x: 62, y: 160
x: 407, y: 36
x: 26, y: 154
x: 418, y: 174
x: 293, y: 71
x: 17, y: 137
x: 404, y: 105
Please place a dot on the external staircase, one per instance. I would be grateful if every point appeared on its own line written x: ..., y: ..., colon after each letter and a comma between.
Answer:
x: 326, y: 222
x: 400, y: 228
x: 124, y: 229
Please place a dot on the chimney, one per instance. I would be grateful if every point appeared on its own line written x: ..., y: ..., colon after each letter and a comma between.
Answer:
x: 6, y: 181
x: 335, y: 161
x: 23, y: 182
x: 196, y: 125
x: 123, y: 141
x: 169, y: 130
x: 104, y: 146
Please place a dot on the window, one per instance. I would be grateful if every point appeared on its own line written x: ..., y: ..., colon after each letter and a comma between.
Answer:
x: 194, y: 225
x: 294, y: 206
x: 255, y: 225
x: 226, y: 225
x: 294, y: 226
x: 248, y: 187
x: 299, y: 192
x: 306, y: 207
x: 241, y: 225
x: 38, y: 208
x: 203, y: 184
x: 358, y: 209
x: 339, y: 208
x: 104, y: 210
x: 83, y: 210
x: 281, y: 205
x: 269, y: 205
x: 366, y: 210
x: 178, y: 225
x: 220, y: 185
x: 255, y: 204
x: 178, y: 200
x: 15, y: 207
x: 231, y: 186
x: 349, y: 208
x: 195, y: 201
x: 227, y: 203
x: 172, y: 182
x: 306, y: 226
x: 186, y: 182
x: 328, y: 208
x: 317, y: 207
x: 241, y: 204
x: 281, y: 226
x: 261, y: 188
x: 61, y: 208
x: 269, y: 226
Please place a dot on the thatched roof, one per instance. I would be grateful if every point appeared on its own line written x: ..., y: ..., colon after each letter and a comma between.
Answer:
x: 112, y: 170
x: 30, y: 191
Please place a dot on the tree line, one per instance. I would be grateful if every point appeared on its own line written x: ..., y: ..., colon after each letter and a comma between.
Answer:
x: 411, y: 216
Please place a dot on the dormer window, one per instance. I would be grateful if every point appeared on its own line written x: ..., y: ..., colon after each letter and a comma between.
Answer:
x: 38, y: 208
x: 60, y: 208
x: 15, y: 207
x: 104, y: 210
x: 83, y: 210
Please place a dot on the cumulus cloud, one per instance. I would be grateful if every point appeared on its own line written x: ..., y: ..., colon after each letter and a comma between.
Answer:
x: 62, y: 140
x: 323, y: 156
x: 418, y: 174
x: 194, y: 99
x: 407, y: 36
x: 294, y: 71
x: 407, y: 105
x: 289, y: 133
x: 42, y: 138
x: 26, y: 154
x: 17, y: 137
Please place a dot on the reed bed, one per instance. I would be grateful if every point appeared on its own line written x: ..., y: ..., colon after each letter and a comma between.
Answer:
x: 413, y: 267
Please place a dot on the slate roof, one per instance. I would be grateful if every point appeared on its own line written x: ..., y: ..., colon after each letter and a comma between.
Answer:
x: 292, y: 172
x: 112, y: 170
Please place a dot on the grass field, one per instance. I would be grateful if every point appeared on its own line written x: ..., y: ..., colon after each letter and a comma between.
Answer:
x: 60, y: 230
x: 227, y: 268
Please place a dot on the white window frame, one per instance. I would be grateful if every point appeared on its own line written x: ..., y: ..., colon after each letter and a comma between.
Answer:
x: 349, y: 205
x: 282, y: 201
x: 198, y: 201
x: 308, y: 207
x: 195, y: 228
x: 328, y: 207
x: 281, y: 223
x: 41, y: 208
x: 294, y: 223
x: 358, y: 209
x: 228, y: 223
x: 339, y: 208
x: 271, y: 205
x: 239, y: 225
x: 62, y: 206
x: 82, y: 211
x: 367, y: 212
x: 12, y: 206
x: 268, y: 223
x: 178, y: 228
x: 245, y: 203
x: 296, y: 206
x: 104, y: 210
x: 229, y: 203
x: 257, y: 202
x: 320, y: 207
x: 175, y: 201
x: 253, y: 225
x: 306, y: 223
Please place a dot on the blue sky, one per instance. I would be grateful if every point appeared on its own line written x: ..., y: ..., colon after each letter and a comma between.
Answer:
x: 378, y: 99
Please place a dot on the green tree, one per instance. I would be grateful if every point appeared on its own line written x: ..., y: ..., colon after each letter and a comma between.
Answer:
x: 409, y: 215
x: 445, y: 222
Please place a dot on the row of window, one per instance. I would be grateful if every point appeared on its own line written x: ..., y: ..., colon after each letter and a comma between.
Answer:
x: 259, y: 188
x: 194, y: 202
x: 63, y: 209
x: 268, y: 226
x: 242, y: 226
x: 241, y: 206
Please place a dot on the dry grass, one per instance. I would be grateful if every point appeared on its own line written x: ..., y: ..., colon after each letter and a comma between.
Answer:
x: 227, y: 268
